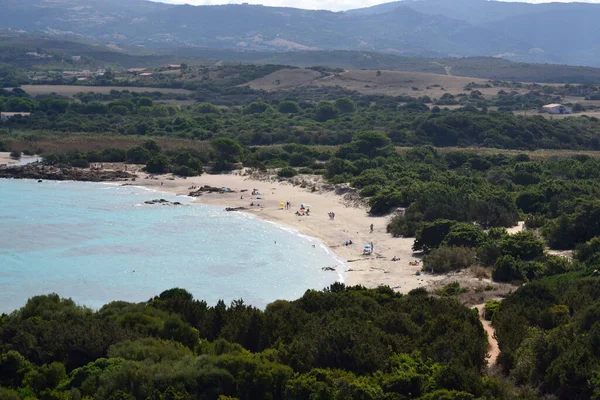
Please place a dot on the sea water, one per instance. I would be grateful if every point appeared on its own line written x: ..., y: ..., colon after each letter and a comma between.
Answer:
x: 97, y: 243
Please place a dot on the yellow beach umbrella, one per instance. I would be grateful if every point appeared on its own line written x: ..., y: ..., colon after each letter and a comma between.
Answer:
x: 281, y: 204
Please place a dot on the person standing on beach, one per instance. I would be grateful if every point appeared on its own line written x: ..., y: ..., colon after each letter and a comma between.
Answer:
x: 371, y: 228
x: 372, y: 248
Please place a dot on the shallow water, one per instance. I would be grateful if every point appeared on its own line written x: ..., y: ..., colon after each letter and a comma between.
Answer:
x: 97, y: 243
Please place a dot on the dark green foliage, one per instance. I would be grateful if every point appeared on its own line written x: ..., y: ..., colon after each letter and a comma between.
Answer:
x: 158, y: 164
x: 465, y: 235
x: 287, y: 172
x: 257, y: 108
x: 490, y: 309
x: 524, y: 245
x: 227, y: 151
x: 338, y: 343
x: 447, y: 259
x: 325, y: 111
x: 288, y: 107
x: 207, y: 108
x: 548, y: 335
x: 345, y: 105
x: 432, y: 234
x: 508, y: 269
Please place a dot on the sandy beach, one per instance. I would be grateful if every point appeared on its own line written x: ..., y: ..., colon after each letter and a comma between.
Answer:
x: 351, y: 222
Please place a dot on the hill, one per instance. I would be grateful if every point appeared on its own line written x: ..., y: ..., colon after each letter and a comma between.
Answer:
x: 38, y: 52
x: 557, y: 33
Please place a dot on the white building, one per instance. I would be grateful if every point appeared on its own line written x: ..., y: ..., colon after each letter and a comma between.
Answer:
x: 4, y: 116
x: 556, y: 109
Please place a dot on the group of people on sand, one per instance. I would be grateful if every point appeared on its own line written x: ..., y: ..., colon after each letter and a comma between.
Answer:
x: 300, y: 214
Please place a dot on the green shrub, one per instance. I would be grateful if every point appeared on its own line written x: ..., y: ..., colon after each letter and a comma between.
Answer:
x: 184, y: 170
x: 158, y: 164
x: 432, y: 234
x: 80, y: 163
x: 447, y: 259
x: 287, y: 172
x: 15, y: 154
x: 464, y: 234
x: 535, y: 221
x: 490, y: 309
x: 451, y: 289
x: 370, y: 190
x: 508, y: 269
x: 404, y: 225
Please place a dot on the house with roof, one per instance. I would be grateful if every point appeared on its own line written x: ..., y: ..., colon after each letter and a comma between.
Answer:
x: 556, y: 109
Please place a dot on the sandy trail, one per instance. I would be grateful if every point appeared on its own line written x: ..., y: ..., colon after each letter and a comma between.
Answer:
x: 350, y: 223
x: 493, y: 350
x: 6, y: 159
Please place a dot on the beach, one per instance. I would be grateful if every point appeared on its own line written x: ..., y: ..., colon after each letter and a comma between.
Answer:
x: 392, y: 262
x: 351, y: 222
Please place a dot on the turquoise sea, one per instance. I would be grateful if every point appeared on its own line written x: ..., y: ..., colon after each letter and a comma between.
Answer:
x: 97, y: 243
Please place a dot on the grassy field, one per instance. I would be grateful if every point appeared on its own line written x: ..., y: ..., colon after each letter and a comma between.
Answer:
x: 87, y: 142
x: 71, y: 90
x: 393, y: 83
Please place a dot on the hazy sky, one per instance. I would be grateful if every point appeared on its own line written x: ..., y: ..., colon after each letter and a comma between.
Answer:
x: 335, y: 5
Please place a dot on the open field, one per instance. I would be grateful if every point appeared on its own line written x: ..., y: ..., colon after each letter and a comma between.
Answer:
x: 87, y: 142
x: 70, y: 90
x: 393, y: 83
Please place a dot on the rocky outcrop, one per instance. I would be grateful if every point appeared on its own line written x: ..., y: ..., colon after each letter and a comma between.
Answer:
x: 210, y: 189
x: 41, y: 171
x: 235, y: 208
x: 163, y: 202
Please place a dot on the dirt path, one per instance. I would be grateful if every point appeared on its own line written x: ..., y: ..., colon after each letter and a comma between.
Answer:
x: 493, y: 349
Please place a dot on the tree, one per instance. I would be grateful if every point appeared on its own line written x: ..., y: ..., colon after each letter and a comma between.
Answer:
x: 226, y: 150
x: 325, y: 111
x: 431, y: 235
x: 287, y: 172
x: 523, y: 245
x: 138, y: 155
x: 508, y: 269
x: 19, y: 104
x: 158, y: 164
x: 207, y: 108
x: 345, y: 105
x: 258, y: 107
x: 445, y: 259
x: 464, y: 234
x: 288, y: 107
x: 372, y: 143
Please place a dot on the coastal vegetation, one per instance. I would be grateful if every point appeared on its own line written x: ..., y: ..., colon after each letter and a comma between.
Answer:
x: 452, y: 172
x: 342, y: 342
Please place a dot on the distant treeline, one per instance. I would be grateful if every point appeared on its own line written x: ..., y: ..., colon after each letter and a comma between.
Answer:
x: 290, y: 117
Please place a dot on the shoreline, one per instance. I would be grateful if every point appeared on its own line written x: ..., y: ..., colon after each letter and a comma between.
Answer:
x: 352, y: 222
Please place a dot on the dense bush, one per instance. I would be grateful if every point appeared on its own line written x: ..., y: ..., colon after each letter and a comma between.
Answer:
x: 548, y: 333
x: 448, y: 259
x: 338, y: 343
x: 287, y: 172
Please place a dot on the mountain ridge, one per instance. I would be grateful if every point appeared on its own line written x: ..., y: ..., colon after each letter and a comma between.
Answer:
x: 429, y: 28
